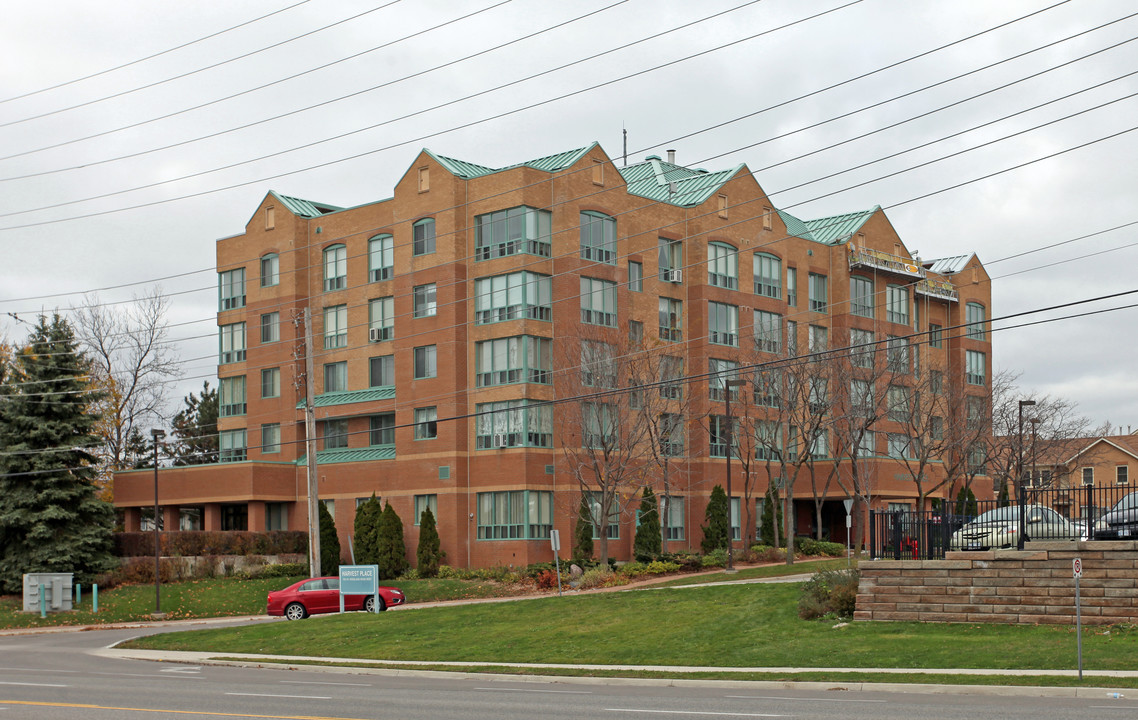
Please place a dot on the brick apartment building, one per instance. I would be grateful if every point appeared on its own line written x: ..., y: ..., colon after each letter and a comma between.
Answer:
x: 444, y: 316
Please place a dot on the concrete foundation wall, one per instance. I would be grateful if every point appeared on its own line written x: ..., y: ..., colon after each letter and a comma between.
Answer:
x: 1032, y: 586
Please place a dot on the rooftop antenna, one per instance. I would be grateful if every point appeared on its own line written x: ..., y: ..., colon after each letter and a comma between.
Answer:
x: 624, y: 132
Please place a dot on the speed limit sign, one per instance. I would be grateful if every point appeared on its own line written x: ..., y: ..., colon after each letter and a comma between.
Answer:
x: 1077, y: 566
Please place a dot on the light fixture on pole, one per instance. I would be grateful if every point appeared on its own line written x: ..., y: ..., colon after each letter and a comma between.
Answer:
x: 1019, y: 475
x: 729, y: 386
x: 1034, y: 425
x: 157, y: 434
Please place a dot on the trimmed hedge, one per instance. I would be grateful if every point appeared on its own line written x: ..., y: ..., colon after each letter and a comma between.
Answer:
x: 194, y: 543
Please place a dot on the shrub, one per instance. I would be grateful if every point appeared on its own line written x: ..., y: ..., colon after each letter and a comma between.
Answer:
x: 583, y: 532
x: 646, y: 546
x: 329, y: 543
x: 600, y: 576
x: 283, y: 570
x: 768, y: 554
x: 429, y: 553
x: 391, y: 552
x: 715, y: 558
x: 546, y: 579
x: 366, y: 527
x: 410, y: 574
x: 829, y: 592
x: 810, y: 546
x: 718, y: 527
x: 685, y: 560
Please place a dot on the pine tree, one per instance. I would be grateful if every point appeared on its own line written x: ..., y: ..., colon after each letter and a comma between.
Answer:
x: 195, y: 429
x: 717, y: 530
x: 50, y: 517
x: 391, y: 550
x: 583, y: 533
x: 772, y: 520
x: 365, y: 528
x: 1004, y: 498
x: 429, y: 553
x: 647, y: 544
x: 329, y: 543
x: 966, y: 503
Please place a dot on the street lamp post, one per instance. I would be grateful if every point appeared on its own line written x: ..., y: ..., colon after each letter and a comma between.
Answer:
x: 157, y: 434
x: 1019, y: 476
x: 730, y: 385
x: 1034, y: 426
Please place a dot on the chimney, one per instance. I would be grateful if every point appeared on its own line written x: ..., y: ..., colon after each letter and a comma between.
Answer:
x: 672, y: 156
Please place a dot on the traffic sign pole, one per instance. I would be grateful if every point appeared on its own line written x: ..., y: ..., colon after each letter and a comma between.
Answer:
x: 1077, y: 568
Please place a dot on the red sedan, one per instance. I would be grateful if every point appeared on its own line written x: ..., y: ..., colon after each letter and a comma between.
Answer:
x: 322, y: 595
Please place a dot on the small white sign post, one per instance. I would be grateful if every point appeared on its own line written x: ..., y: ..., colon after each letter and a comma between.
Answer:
x: 1077, y: 571
x: 848, y: 502
x: 555, y: 543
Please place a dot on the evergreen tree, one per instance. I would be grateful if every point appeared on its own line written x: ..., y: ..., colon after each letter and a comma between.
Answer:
x: 1004, y: 498
x: 772, y: 520
x: 429, y: 553
x: 966, y: 503
x: 647, y: 544
x: 365, y: 528
x: 583, y: 533
x: 329, y: 543
x: 718, y: 528
x: 391, y: 550
x: 195, y: 429
x: 50, y: 517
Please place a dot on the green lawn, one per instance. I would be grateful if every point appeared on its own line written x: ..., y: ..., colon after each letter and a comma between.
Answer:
x: 752, y: 625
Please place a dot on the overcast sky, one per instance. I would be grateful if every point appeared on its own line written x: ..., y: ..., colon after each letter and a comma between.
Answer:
x: 165, y: 139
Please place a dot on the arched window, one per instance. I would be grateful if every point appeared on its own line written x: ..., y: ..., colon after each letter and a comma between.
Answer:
x: 723, y: 265
x: 381, y: 258
x: 768, y: 275
x: 335, y: 268
x: 974, y: 316
x: 270, y: 270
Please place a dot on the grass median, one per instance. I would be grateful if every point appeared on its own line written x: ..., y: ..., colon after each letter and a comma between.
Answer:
x: 727, y: 626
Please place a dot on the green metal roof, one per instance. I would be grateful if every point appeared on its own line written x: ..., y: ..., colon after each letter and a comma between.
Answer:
x: 549, y: 163
x: 348, y: 397
x: 665, y: 182
x: 948, y: 265
x: 305, y: 208
x: 836, y: 229
x: 346, y: 455
x: 794, y: 226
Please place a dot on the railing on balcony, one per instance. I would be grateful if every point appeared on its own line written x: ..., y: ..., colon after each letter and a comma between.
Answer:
x: 866, y: 257
x: 939, y: 289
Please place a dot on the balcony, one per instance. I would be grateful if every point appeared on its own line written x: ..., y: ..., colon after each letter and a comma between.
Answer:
x: 877, y: 260
x: 938, y: 289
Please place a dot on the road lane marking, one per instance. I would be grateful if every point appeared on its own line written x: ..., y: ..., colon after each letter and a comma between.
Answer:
x: 144, y: 675
x: 276, y: 695
x: 61, y: 672
x: 692, y: 712
x: 199, y: 713
x: 183, y: 670
x: 31, y: 684
x: 776, y: 697
x: 564, y: 692
x: 314, y: 682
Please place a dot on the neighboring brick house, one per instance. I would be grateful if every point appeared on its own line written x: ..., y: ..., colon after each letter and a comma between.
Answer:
x: 1064, y: 470
x: 443, y: 317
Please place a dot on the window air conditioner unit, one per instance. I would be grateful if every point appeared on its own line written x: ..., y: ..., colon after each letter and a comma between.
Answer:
x: 375, y: 334
x: 675, y: 276
x: 501, y: 441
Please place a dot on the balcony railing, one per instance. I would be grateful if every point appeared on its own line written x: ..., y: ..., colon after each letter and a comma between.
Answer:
x: 865, y: 257
x: 939, y: 289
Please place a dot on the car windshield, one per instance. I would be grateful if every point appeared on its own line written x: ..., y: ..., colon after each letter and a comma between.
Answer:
x: 1127, y: 503
x: 1004, y: 514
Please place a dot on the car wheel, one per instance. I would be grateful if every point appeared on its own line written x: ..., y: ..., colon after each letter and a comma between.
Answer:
x: 295, y: 611
x: 369, y: 604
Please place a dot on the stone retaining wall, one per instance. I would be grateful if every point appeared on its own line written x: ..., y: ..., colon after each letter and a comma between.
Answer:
x: 1032, y: 586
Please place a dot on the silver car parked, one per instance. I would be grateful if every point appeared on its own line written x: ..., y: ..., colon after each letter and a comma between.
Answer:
x: 999, y: 528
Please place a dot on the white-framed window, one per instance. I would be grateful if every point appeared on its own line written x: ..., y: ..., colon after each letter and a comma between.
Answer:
x: 1088, y: 476
x: 270, y: 327
x: 380, y: 258
x: 425, y: 300
x: 974, y: 316
x: 523, y: 358
x: 1122, y: 475
x: 598, y: 237
x: 423, y: 237
x: 381, y: 319
x: 512, y: 231
x: 513, y: 296
x: 270, y: 382
x: 424, y: 503
x: 426, y: 362
x: 861, y: 296
x: 270, y: 270
x: 381, y: 430
x: 232, y: 343
x: 231, y: 289
x: 768, y: 275
x: 897, y: 304
x: 671, y: 319
x: 635, y: 276
x: 231, y: 399
x: 381, y: 371
x: 232, y: 445
x: 335, y: 267
x: 426, y: 423
x: 598, y: 302
x: 335, y: 327
x: 722, y: 265
x: 819, y: 293
x: 975, y: 367
x: 723, y: 324
x: 335, y: 377
x: 513, y: 423
x: 270, y: 438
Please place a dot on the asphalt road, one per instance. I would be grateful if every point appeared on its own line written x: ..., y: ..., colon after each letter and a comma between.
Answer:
x: 60, y: 676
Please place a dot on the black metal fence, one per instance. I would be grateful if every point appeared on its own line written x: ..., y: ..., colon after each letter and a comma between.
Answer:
x: 1048, y: 514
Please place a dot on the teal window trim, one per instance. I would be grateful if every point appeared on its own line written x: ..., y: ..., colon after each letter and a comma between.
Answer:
x: 723, y: 324
x: 517, y: 359
x: 792, y: 286
x: 513, y: 296
x: 671, y: 260
x: 673, y: 516
x: 671, y: 319
x: 635, y: 276
x: 335, y: 327
x: 426, y: 502
x: 423, y: 237
x: 335, y: 267
x: 768, y: 331
x: 426, y: 423
x: 612, y: 529
x: 862, y: 347
x: 381, y: 258
x: 975, y: 317
x: 671, y: 429
x: 897, y: 304
x: 425, y: 300
x: 818, y: 292
x: 270, y: 383
x: 270, y: 270
x: 719, y: 372
x: 936, y: 336
x: 515, y: 515
x: 513, y: 423
x: 381, y: 319
x: 231, y: 289
x: 231, y: 343
x: 767, y: 275
x: 518, y: 230
x: 381, y: 430
x: 723, y: 265
x: 334, y: 433
x: 600, y: 428
x: 426, y: 362
x: 861, y: 296
x: 717, y: 427
x: 270, y: 438
x: 381, y: 371
x: 232, y: 445
x: 976, y: 370
x: 598, y: 364
x: 598, y: 302
x: 231, y: 396
x: 335, y: 376
x: 598, y: 237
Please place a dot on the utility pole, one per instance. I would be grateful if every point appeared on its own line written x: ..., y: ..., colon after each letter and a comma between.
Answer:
x: 310, y: 450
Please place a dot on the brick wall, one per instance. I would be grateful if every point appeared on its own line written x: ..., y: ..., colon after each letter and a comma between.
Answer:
x: 1032, y: 586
